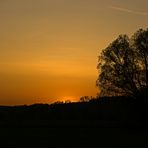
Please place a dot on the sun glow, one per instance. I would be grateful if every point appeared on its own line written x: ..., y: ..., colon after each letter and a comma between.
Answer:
x: 67, y: 99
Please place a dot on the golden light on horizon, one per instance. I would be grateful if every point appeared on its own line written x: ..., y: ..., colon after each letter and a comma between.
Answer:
x: 69, y: 98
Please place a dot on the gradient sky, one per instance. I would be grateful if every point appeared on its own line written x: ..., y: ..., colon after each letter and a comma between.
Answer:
x: 49, y: 48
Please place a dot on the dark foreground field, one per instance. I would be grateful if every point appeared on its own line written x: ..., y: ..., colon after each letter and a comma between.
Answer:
x: 109, y: 122
x: 73, y: 137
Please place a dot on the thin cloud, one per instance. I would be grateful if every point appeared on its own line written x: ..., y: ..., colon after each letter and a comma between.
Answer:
x: 129, y: 11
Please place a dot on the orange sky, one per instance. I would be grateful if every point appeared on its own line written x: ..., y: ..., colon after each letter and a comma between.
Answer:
x: 49, y: 48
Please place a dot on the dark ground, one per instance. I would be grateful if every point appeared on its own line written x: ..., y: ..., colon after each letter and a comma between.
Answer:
x: 109, y: 122
x: 73, y: 137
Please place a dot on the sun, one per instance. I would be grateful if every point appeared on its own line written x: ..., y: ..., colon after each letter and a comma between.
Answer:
x: 69, y: 99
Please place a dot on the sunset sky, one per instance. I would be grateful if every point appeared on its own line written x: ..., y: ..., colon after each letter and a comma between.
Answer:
x: 49, y: 48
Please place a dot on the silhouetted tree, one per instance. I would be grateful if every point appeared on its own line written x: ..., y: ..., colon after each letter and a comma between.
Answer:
x: 58, y: 102
x: 67, y: 101
x: 86, y: 98
x: 123, y: 66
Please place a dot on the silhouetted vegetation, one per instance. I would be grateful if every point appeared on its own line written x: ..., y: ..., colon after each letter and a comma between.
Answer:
x: 103, y: 112
x: 123, y: 66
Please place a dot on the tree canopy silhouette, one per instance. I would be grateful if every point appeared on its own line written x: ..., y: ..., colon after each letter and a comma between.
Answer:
x: 123, y: 66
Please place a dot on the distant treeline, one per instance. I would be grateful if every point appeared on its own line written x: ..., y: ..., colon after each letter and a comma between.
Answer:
x: 106, y: 111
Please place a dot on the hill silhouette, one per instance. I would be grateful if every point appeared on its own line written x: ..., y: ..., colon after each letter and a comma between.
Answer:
x: 105, y: 122
x: 101, y: 112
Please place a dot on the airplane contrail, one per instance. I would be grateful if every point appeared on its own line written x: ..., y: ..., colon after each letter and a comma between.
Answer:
x: 129, y: 10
